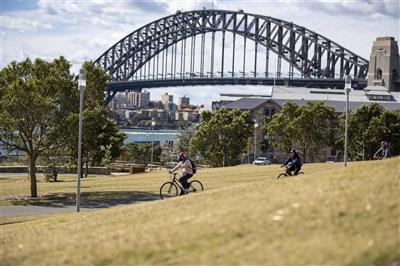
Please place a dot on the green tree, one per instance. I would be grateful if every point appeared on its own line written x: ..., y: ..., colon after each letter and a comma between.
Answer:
x: 281, y: 129
x: 222, y: 136
x: 184, y: 138
x: 35, y: 100
x: 39, y: 107
x: 98, y: 130
x: 309, y: 127
x: 166, y: 156
x: 367, y: 127
x: 388, y: 128
x: 141, y: 153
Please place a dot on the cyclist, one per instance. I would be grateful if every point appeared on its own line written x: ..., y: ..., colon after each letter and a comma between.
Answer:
x: 383, y: 151
x: 187, y: 170
x: 294, y: 163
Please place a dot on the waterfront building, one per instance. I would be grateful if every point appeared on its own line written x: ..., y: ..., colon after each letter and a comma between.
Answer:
x: 263, y: 107
x: 143, y: 136
x: 187, y: 114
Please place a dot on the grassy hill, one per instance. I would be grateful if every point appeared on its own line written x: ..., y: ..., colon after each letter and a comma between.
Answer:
x: 331, y: 215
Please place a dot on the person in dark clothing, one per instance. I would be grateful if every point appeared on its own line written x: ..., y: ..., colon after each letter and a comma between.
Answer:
x: 295, y: 163
x: 383, y: 151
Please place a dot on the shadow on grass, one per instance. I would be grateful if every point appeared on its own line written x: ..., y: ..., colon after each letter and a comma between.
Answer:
x: 91, y: 200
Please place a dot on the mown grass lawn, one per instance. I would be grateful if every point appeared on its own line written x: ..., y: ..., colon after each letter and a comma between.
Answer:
x: 331, y: 215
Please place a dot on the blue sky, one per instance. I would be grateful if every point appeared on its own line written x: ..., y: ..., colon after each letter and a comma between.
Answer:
x: 83, y: 30
x: 18, y: 5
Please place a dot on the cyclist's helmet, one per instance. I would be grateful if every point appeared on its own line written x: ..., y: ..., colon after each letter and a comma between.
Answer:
x: 293, y: 150
x: 182, y: 155
x: 384, y: 143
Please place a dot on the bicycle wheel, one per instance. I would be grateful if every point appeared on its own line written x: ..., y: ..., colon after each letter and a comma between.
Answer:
x: 195, y: 186
x: 168, y: 190
x: 281, y: 175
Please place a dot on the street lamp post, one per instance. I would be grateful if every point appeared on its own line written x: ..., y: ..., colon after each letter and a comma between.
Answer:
x: 347, y: 87
x: 81, y: 87
x: 255, y: 138
x: 152, y: 140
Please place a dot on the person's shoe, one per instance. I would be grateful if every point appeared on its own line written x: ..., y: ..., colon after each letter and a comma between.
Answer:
x: 182, y: 193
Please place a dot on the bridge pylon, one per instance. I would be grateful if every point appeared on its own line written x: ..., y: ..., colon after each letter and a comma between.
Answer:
x: 384, y: 64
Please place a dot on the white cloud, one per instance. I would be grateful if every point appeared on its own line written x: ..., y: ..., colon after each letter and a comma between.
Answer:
x: 354, y: 8
x: 23, y: 25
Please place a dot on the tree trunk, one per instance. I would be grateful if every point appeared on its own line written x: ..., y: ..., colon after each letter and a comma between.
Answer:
x: 55, y: 173
x: 87, y: 167
x: 304, y: 154
x: 32, y: 175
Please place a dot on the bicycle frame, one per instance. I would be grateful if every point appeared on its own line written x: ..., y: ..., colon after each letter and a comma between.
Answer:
x: 176, y: 181
x: 290, y: 173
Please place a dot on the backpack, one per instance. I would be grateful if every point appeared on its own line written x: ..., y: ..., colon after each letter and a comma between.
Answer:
x: 193, y: 166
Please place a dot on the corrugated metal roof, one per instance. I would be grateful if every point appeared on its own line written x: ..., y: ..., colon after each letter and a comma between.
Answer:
x: 301, y: 96
x: 246, y: 103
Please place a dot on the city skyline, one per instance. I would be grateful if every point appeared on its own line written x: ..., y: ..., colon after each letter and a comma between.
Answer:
x: 83, y: 30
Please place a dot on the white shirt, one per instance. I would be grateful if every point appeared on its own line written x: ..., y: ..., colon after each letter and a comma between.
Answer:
x: 186, y: 167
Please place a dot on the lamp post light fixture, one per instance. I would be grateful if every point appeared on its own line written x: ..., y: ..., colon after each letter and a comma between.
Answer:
x: 81, y: 88
x: 347, y: 87
x: 255, y: 138
x: 153, y: 123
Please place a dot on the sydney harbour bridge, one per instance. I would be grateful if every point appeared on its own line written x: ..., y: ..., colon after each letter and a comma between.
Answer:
x: 220, y: 47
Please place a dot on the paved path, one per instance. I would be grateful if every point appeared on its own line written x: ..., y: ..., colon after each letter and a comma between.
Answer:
x: 26, y: 174
x: 62, y: 206
x: 8, y: 211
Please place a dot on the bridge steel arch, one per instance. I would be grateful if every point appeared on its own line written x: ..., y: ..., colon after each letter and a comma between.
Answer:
x: 311, y: 54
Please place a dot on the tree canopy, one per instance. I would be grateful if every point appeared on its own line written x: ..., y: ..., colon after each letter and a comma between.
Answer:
x: 39, y: 106
x: 98, y: 130
x: 222, y: 136
x: 367, y: 127
x: 184, y: 138
x: 141, y: 153
x: 35, y: 100
x: 309, y: 127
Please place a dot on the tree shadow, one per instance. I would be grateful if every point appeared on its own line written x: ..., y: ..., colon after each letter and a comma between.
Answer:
x: 90, y: 200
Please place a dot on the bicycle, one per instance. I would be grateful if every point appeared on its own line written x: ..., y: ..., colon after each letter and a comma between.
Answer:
x: 287, y: 172
x: 172, y: 188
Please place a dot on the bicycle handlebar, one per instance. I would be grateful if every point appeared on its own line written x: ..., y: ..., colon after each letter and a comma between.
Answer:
x: 173, y: 174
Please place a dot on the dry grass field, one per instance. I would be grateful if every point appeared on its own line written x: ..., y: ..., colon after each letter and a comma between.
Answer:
x: 330, y: 216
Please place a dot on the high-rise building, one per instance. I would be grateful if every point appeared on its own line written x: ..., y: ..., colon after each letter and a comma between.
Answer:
x: 144, y: 99
x: 134, y: 99
x: 119, y: 100
x: 184, y: 100
x: 130, y: 99
x: 170, y: 107
x: 165, y: 98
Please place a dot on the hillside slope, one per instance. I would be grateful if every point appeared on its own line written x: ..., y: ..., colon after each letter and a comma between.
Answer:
x: 331, y: 215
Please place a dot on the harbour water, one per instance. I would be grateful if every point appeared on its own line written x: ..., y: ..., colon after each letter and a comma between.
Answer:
x: 166, y: 137
x: 141, y: 136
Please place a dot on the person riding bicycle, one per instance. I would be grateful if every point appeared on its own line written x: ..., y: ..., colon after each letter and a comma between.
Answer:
x: 383, y: 151
x: 187, y: 170
x: 293, y: 162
